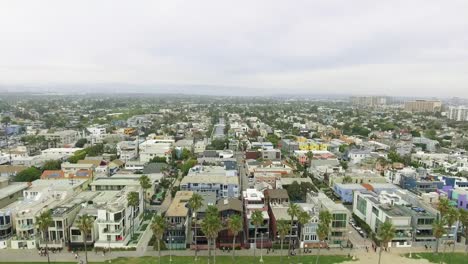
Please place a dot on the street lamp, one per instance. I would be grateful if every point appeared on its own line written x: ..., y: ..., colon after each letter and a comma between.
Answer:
x: 170, y: 247
x: 261, y: 247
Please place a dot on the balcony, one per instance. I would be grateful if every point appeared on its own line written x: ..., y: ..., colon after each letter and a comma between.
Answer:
x: 108, y: 231
x: 3, y: 227
x: 24, y: 227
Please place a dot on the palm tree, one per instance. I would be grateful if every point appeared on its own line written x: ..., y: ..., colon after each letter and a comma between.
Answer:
x: 325, y: 217
x: 211, y: 225
x: 43, y: 221
x: 322, y: 232
x: 438, y: 230
x: 145, y: 184
x: 133, y: 201
x: 464, y: 222
x: 283, y: 229
x: 385, y: 234
x: 451, y: 217
x: 303, y: 218
x: 195, y: 203
x: 293, y: 211
x: 85, y: 224
x: 257, y: 221
x: 158, y: 225
x: 443, y: 206
x: 235, y: 226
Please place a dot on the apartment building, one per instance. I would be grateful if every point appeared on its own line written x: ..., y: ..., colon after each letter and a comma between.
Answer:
x: 116, y: 218
x: 423, y: 106
x: 219, y: 181
x: 458, y: 113
x: 340, y: 215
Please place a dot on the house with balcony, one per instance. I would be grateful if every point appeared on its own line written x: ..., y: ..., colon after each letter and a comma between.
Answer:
x: 221, y: 185
x: 309, y: 237
x: 178, y: 220
x: 254, y: 200
x: 36, y: 199
x: 228, y: 207
x: 338, y: 235
x: 196, y: 220
x: 116, y: 218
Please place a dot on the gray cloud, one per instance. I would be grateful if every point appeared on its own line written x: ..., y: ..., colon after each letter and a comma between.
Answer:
x: 364, y: 47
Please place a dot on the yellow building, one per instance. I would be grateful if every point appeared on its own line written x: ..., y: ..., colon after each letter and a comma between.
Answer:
x: 311, y: 145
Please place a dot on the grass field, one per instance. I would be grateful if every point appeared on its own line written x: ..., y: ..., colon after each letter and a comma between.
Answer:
x: 452, y: 258
x: 219, y: 260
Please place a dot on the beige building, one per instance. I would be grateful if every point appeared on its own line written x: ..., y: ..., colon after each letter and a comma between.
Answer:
x: 423, y: 106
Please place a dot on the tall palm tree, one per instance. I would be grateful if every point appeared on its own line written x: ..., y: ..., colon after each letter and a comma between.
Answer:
x: 438, y: 230
x: 235, y: 226
x: 385, y: 234
x: 195, y: 203
x: 158, y: 226
x: 293, y: 211
x: 303, y: 218
x: 451, y: 218
x: 145, y: 184
x: 133, y: 200
x: 283, y: 229
x: 85, y: 224
x: 326, y: 218
x: 43, y: 221
x: 464, y: 222
x: 211, y: 225
x: 443, y: 206
x: 322, y: 232
x: 257, y: 221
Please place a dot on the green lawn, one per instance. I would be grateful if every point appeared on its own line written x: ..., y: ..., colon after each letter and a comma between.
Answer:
x: 452, y: 258
x: 219, y: 260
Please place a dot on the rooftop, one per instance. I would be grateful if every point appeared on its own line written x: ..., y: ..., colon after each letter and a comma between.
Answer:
x: 178, y: 206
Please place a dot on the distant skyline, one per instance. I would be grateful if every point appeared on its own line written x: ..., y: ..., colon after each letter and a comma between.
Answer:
x: 362, y: 47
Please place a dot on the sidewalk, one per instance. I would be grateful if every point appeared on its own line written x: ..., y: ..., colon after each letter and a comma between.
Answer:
x: 391, y: 257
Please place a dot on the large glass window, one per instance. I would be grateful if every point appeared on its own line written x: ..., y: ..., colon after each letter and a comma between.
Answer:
x: 361, y: 205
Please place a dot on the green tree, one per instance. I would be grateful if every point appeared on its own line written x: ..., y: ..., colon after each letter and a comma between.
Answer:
x: 28, y: 175
x: 81, y: 142
x: 438, y: 230
x: 293, y: 211
x: 52, y: 165
x: 133, y: 200
x: 385, y: 234
x: 322, y: 233
x: 85, y: 224
x: 443, y: 206
x: 195, y: 203
x: 43, y: 221
x: 347, y: 179
x: 211, y: 225
x: 145, y: 184
x: 257, y: 221
x: 451, y: 217
x: 234, y: 224
x: 158, y: 226
x: 283, y: 229
x: 464, y: 222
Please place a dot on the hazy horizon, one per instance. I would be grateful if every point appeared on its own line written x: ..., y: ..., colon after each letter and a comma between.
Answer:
x: 398, y: 48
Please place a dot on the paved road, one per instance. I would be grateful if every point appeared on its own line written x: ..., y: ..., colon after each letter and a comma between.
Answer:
x: 244, y: 181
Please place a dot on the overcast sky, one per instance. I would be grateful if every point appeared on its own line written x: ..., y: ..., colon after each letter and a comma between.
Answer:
x: 409, y: 47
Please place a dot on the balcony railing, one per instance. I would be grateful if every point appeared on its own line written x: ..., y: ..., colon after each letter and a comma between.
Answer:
x: 25, y: 227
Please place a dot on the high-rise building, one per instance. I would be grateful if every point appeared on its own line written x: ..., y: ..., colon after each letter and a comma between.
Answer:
x: 423, y: 106
x: 369, y: 101
x: 458, y: 113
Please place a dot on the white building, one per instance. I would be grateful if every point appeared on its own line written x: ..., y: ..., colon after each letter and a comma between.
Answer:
x: 458, y: 113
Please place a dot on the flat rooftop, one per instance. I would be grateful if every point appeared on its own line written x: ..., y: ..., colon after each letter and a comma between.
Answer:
x: 178, y: 206
x: 210, y: 179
